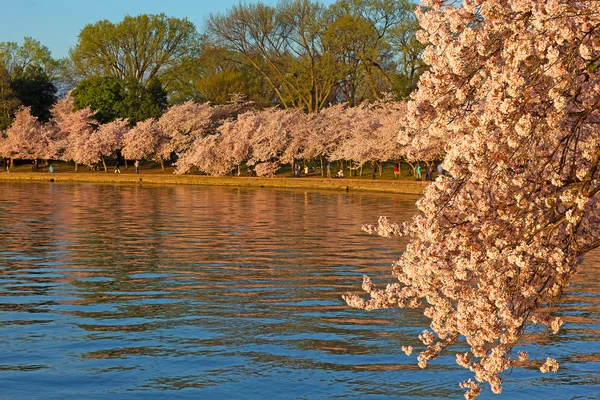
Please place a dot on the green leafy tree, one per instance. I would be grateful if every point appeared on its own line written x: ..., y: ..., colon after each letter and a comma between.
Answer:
x: 224, y: 75
x: 9, y: 102
x: 27, y: 77
x: 104, y: 95
x: 138, y: 49
x: 35, y: 89
x: 17, y: 59
x: 375, y: 44
x: 112, y: 98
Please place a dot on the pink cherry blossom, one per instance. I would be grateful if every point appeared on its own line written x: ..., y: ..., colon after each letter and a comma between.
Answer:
x: 512, y: 104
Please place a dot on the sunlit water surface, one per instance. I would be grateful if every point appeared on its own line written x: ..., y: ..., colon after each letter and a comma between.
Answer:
x: 145, y: 292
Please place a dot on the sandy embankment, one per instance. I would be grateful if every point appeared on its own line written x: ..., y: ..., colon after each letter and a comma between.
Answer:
x: 348, y: 184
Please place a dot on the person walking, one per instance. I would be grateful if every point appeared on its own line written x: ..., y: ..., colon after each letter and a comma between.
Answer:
x: 430, y: 172
x: 117, y: 169
x: 396, y: 170
x: 137, y: 166
x: 418, y: 172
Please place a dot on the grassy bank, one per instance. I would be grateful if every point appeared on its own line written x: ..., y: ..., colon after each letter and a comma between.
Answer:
x: 386, y: 183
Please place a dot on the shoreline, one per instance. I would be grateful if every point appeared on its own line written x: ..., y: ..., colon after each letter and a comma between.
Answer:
x: 344, y: 184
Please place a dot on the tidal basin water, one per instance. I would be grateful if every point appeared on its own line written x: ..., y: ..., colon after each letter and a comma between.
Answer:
x: 169, y: 292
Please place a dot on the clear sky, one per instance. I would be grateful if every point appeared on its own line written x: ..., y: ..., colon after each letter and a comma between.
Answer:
x: 56, y: 23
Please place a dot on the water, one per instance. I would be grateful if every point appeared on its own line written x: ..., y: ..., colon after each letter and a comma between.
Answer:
x: 147, y: 292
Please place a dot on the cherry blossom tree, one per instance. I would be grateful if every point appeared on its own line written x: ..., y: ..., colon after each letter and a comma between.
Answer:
x: 107, y: 139
x: 270, y: 143
x: 24, y: 138
x: 183, y: 124
x: 513, y: 99
x: 219, y: 156
x: 145, y: 140
x: 373, y: 133
x: 72, y: 133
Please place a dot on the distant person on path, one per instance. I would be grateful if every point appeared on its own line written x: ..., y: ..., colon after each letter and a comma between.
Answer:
x: 430, y: 172
x: 51, y: 168
x: 297, y: 171
x: 340, y: 173
x: 373, y: 169
x: 6, y: 164
x: 396, y: 170
x: 117, y: 169
x: 137, y: 166
x: 306, y: 170
x: 440, y: 169
x: 418, y: 172
x: 329, y: 170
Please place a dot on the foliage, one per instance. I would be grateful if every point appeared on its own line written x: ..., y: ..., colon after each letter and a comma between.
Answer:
x: 30, y: 72
x: 224, y: 74
x: 311, y: 55
x: 16, y: 59
x: 34, y: 88
x: 285, y: 45
x: 112, y: 98
x: 137, y: 49
x: 9, y: 102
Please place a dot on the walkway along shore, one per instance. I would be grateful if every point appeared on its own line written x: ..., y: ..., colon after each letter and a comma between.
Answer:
x: 346, y: 184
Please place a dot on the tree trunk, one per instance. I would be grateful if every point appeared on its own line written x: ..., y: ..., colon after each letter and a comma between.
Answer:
x: 162, y: 164
x: 76, y: 167
x: 126, y: 165
x: 12, y: 163
x: 104, y: 164
x: 322, y: 170
x: 239, y: 169
x: 380, y: 169
x: 361, y: 170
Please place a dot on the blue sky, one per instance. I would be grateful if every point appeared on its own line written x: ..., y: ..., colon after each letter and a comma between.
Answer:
x: 56, y: 23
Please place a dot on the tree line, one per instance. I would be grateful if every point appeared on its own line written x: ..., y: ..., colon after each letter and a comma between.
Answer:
x: 295, y: 54
x: 216, y: 139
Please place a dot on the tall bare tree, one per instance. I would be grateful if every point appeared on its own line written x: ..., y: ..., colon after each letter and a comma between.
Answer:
x: 285, y: 44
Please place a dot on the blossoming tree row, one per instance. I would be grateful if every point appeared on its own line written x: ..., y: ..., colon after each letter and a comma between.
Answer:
x: 215, y: 140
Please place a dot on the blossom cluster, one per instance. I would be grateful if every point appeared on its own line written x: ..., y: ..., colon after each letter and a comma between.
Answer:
x: 512, y: 102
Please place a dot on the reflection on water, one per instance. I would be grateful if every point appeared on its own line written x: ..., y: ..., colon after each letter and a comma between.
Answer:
x: 177, y: 292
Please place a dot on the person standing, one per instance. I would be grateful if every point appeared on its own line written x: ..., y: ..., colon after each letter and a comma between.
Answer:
x: 373, y: 169
x: 117, y: 167
x: 418, y: 172
x: 440, y: 169
x: 396, y: 170
x: 137, y: 166
x: 430, y: 172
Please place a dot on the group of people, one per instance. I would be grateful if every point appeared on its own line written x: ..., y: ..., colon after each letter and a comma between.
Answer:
x: 118, y: 167
x: 429, y: 172
x: 297, y: 170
